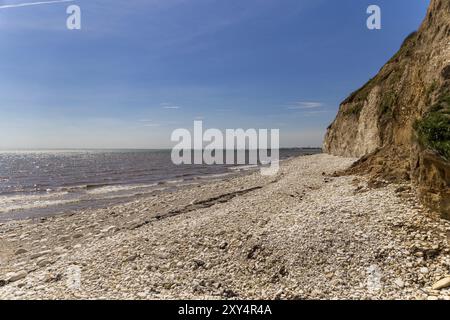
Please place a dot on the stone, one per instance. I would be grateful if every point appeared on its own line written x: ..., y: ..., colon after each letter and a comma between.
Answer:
x: 20, y: 251
x: 223, y: 245
x: 109, y: 229
x: 50, y: 277
x: 13, y: 277
x: 198, y: 263
x: 131, y: 258
x: 442, y: 284
x: 424, y: 270
x: 399, y: 282
x: 64, y: 238
x: 42, y: 263
x: 39, y: 254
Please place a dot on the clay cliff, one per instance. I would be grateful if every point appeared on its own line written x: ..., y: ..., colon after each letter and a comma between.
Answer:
x: 398, y: 123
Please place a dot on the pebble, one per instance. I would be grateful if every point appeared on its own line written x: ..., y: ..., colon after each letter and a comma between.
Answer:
x: 13, y: 277
x: 424, y: 270
x: 442, y: 284
x: 399, y: 283
x: 20, y: 251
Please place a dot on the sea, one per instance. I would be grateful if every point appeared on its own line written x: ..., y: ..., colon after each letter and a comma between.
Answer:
x: 39, y: 183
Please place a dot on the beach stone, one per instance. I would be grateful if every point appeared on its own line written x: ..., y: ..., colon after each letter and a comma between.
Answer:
x: 442, y: 284
x: 223, y: 245
x: 131, y: 258
x: 198, y: 263
x: 13, y: 277
x: 399, y: 283
x: 64, y: 238
x: 109, y: 229
x: 424, y: 270
x: 20, y: 251
x: 42, y: 263
x: 39, y: 254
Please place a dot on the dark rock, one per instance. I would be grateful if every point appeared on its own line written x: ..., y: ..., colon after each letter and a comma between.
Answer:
x: 446, y: 72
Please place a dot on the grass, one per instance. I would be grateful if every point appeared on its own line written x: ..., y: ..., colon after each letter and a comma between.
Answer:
x: 354, y: 109
x: 433, y: 130
x: 387, y: 104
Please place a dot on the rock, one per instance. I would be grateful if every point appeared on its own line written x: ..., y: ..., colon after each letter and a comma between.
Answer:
x: 399, y: 282
x: 20, y: 251
x: 228, y: 293
x: 42, y: 263
x: 78, y: 235
x: 109, y: 229
x: 223, y: 245
x: 253, y: 252
x: 52, y: 277
x: 131, y: 258
x: 13, y: 277
x: 442, y: 284
x: 424, y: 270
x: 403, y: 189
x: 198, y: 263
x: 40, y: 254
x: 64, y: 239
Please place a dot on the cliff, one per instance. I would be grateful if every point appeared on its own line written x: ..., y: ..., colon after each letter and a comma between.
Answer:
x: 399, y: 121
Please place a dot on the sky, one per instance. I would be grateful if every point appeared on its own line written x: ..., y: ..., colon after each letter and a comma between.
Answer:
x: 138, y: 69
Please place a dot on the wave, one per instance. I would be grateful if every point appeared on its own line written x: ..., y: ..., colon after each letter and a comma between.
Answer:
x: 24, y: 202
x: 244, y: 167
x: 119, y: 188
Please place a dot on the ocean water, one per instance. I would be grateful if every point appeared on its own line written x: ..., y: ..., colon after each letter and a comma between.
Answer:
x: 41, y: 183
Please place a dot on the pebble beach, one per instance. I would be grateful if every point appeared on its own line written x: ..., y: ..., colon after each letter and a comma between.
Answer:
x: 305, y: 233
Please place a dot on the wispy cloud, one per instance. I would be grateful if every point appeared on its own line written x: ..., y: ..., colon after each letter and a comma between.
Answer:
x: 169, y: 106
x: 152, y: 125
x: 27, y: 4
x: 305, y: 105
x: 149, y: 123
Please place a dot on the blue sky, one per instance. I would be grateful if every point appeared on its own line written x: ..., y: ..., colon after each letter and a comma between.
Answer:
x: 139, y: 69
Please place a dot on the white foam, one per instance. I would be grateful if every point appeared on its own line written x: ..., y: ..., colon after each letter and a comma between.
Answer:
x: 119, y: 188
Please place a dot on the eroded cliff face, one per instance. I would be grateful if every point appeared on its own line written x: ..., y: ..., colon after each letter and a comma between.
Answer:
x: 399, y: 122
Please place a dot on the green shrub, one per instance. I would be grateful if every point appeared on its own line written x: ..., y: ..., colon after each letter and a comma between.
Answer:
x: 387, y: 103
x: 354, y: 109
x: 433, y: 129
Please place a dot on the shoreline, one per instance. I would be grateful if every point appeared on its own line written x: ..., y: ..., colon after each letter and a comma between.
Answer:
x: 71, y: 193
x: 302, y: 234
